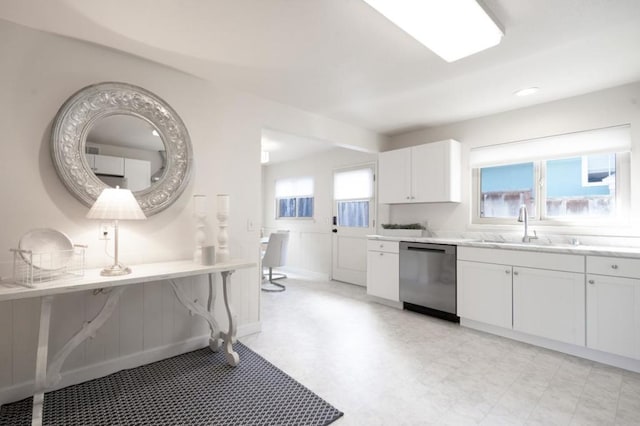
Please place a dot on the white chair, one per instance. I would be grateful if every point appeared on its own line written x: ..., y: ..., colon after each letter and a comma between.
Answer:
x: 274, y: 256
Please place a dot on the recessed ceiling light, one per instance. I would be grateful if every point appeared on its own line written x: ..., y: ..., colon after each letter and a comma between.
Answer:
x: 452, y: 29
x: 154, y: 132
x: 526, y: 91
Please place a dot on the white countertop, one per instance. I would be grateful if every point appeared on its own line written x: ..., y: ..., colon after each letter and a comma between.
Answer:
x: 613, y: 251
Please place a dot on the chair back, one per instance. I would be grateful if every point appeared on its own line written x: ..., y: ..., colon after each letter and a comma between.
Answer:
x: 276, y: 253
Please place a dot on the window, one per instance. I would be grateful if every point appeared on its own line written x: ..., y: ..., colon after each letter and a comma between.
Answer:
x: 294, y: 198
x: 558, y: 184
x: 353, y: 192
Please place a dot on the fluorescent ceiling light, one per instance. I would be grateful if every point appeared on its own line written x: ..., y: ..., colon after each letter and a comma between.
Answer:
x: 526, y: 91
x: 452, y: 29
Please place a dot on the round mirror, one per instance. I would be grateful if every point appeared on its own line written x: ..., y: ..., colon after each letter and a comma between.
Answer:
x: 116, y: 134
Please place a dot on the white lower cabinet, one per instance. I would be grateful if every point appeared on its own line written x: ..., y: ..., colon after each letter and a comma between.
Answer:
x: 613, y: 314
x: 549, y: 304
x: 541, y: 294
x: 613, y: 305
x: 383, y: 270
x: 484, y: 292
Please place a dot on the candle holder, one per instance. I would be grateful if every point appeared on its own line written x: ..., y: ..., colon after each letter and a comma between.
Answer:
x: 200, y: 213
x: 222, y: 253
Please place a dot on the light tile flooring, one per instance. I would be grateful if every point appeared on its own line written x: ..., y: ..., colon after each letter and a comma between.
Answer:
x: 384, y: 366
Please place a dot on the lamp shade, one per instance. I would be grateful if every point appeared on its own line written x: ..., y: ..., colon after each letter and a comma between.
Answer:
x: 116, y: 204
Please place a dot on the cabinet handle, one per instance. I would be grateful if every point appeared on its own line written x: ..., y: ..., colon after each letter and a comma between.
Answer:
x: 381, y: 254
x: 381, y: 245
x: 614, y: 266
x: 515, y: 272
x: 507, y: 271
x: 408, y: 197
x: 591, y: 282
x: 412, y: 197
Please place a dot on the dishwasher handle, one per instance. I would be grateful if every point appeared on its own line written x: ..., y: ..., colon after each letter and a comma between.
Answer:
x: 427, y: 247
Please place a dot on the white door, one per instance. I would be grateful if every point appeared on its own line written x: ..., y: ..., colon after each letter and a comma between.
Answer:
x: 354, y: 219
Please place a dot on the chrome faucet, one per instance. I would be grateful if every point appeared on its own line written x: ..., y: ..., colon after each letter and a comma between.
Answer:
x: 523, y: 216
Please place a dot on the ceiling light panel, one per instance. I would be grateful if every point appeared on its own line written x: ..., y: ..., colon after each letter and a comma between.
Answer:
x: 452, y: 29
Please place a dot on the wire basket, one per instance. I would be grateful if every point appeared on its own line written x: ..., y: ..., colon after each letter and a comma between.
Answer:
x: 31, y: 268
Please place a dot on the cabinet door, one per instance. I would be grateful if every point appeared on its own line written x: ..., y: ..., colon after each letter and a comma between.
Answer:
x: 138, y: 174
x: 394, y: 176
x: 613, y: 315
x: 549, y: 304
x: 484, y: 292
x: 108, y: 165
x: 383, y: 275
x: 435, y: 169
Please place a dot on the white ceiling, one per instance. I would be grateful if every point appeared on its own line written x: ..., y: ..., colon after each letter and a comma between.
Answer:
x: 341, y: 59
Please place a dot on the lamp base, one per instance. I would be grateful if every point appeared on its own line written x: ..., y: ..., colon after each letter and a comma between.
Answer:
x: 115, y: 270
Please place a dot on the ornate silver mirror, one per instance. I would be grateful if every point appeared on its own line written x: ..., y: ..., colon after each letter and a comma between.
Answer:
x: 112, y: 134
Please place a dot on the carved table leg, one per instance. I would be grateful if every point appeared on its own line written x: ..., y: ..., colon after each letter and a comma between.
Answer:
x: 230, y: 337
x: 197, y: 309
x: 214, y: 341
x: 41, y: 360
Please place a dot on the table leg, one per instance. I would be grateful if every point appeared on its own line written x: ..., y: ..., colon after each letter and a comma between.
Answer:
x: 214, y: 341
x: 197, y: 309
x: 229, y: 337
x: 41, y: 360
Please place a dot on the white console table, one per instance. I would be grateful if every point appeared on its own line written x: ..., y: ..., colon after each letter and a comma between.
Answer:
x: 48, y: 374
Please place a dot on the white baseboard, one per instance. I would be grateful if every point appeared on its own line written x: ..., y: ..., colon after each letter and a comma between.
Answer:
x: 314, y: 275
x: 390, y: 303
x: 579, y: 351
x: 101, y: 369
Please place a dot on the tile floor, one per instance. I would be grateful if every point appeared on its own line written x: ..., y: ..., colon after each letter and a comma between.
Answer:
x: 384, y: 366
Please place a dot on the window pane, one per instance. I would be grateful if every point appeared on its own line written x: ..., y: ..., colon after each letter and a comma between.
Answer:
x: 287, y: 207
x: 581, y: 186
x: 305, y: 207
x: 504, y: 189
x: 354, y: 214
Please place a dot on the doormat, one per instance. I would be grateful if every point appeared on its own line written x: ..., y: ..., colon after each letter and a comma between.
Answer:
x: 196, y: 388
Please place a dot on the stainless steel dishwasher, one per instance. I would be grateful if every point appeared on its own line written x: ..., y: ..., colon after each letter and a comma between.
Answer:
x: 428, y: 279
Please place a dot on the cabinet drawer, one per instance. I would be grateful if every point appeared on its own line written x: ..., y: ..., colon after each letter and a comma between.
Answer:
x: 379, y: 245
x: 614, y: 266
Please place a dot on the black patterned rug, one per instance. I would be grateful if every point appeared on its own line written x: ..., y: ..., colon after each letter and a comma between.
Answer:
x: 196, y: 388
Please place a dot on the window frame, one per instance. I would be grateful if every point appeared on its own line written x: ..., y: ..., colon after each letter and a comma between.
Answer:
x: 622, y: 198
x: 293, y: 181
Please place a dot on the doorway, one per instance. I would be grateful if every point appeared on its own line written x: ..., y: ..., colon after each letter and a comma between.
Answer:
x: 353, y: 219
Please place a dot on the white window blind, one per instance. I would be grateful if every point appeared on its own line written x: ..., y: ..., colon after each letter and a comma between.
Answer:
x: 353, y: 184
x: 611, y: 139
x: 294, y: 187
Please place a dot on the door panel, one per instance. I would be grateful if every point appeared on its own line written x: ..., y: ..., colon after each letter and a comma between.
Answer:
x: 349, y: 240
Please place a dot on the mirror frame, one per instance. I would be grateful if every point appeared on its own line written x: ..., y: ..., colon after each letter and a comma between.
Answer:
x: 78, y: 114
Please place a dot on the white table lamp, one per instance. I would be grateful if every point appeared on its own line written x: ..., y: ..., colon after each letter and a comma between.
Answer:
x: 116, y: 204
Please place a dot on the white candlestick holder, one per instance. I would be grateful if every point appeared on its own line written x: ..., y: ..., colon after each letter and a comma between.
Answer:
x: 222, y: 253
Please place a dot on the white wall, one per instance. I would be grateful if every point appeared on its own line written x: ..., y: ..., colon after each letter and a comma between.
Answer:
x: 310, y: 240
x: 595, y: 110
x: 39, y: 72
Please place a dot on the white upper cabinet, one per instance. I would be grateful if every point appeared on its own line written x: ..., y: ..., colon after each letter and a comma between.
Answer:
x: 428, y: 173
x: 394, y: 176
x: 108, y: 165
x: 138, y: 174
